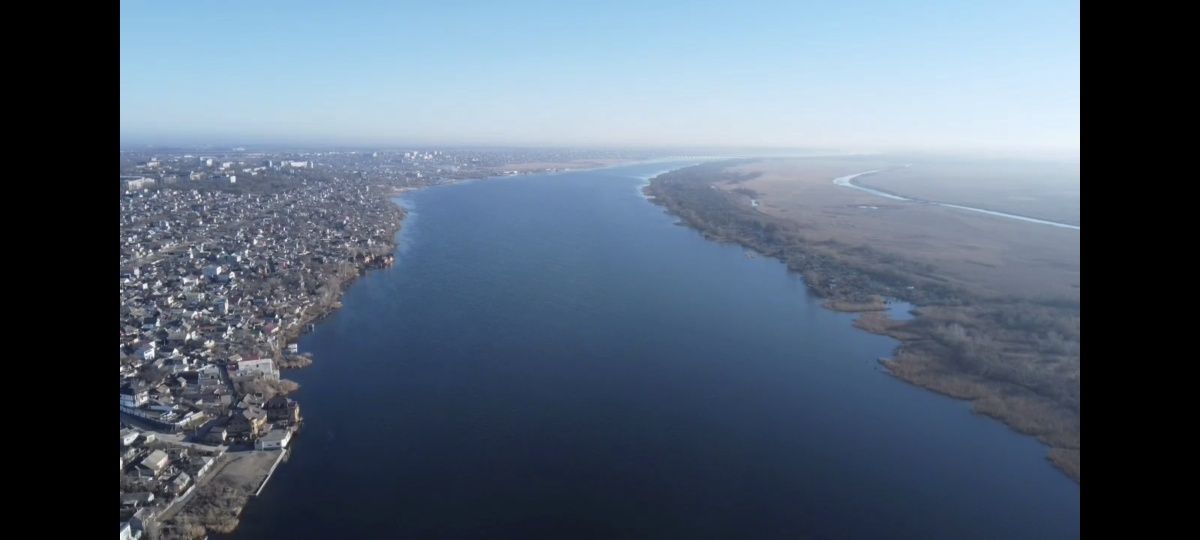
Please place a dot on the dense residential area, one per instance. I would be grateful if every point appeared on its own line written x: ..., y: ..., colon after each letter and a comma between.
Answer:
x: 240, y: 170
x: 226, y: 260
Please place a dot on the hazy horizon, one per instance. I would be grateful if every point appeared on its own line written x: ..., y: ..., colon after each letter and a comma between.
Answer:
x: 925, y: 76
x: 234, y: 144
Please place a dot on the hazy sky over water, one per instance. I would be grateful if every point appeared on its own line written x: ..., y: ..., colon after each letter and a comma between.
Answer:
x: 864, y: 75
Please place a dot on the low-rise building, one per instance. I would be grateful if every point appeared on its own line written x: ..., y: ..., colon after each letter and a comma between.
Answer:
x: 209, y: 377
x: 154, y: 464
x: 180, y: 483
x: 247, y: 424
x: 249, y: 369
x: 135, y: 184
x: 282, y: 409
x: 126, y: 531
x: 133, y: 396
x: 274, y: 439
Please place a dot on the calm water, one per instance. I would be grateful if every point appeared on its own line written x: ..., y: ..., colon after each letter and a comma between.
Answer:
x: 552, y: 358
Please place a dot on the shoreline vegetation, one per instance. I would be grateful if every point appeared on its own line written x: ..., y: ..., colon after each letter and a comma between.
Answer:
x: 1015, y: 359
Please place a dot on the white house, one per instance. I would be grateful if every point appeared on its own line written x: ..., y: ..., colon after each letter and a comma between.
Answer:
x: 264, y: 368
x: 155, y: 463
x: 131, y: 398
x: 139, y: 183
x: 147, y: 351
x: 128, y: 437
x: 274, y: 439
x: 205, y: 463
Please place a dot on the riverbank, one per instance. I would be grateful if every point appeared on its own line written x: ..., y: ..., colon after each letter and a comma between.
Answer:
x: 218, y: 503
x: 532, y: 169
x: 1015, y: 359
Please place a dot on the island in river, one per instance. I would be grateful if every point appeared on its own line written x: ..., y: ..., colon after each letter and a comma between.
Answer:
x: 998, y: 299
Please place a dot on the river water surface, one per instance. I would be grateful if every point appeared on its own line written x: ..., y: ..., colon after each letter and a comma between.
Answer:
x: 551, y: 357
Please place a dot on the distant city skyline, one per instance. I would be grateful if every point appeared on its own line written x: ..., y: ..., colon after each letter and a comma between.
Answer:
x: 875, y: 76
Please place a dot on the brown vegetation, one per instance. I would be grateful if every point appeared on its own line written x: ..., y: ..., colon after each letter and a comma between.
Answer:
x: 215, y: 507
x: 986, y: 255
x: 295, y: 362
x: 1000, y: 185
x: 1015, y: 357
x: 218, y: 501
x: 267, y: 388
x: 872, y: 303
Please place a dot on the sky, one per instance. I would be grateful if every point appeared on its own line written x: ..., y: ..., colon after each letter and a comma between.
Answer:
x: 866, y: 75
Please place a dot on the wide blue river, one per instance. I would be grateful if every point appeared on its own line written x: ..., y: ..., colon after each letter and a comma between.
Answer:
x: 553, y: 357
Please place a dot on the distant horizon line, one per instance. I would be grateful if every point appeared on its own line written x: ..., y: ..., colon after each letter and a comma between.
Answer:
x: 1057, y: 154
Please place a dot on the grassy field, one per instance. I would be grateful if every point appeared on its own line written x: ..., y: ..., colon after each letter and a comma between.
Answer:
x: 1041, y: 190
x: 998, y: 300
x: 989, y: 255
